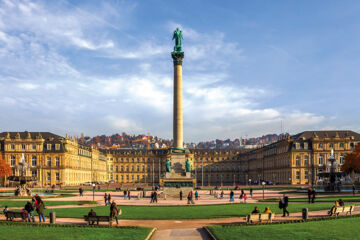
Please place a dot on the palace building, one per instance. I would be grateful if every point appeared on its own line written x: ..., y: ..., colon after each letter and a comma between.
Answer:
x: 56, y: 160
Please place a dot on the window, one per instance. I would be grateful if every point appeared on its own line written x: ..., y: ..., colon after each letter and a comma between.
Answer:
x: 138, y: 177
x: 306, y: 175
x: 117, y: 169
x: 298, y: 161
x: 122, y: 177
x: 117, y: 178
x: 138, y: 160
x: 48, y: 161
x: 111, y: 167
x: 138, y: 168
x: 127, y: 177
x: 12, y: 146
x: 306, y: 160
x: 33, y: 161
x: 57, y: 146
x: 57, y: 161
x: 320, y: 145
x: 331, y: 145
x: 48, y: 147
x: 127, y: 168
x: 12, y: 161
x: 13, y: 172
x: 342, y: 159
x: 23, y: 146
x: 122, y: 168
x: 111, y: 177
x: 321, y: 160
x: 34, y: 147
x: 341, y: 145
x: 143, y: 168
x: 48, y: 176
x: 132, y: 177
x: 57, y: 175
x: 132, y: 168
x: 298, y: 175
x: 34, y: 173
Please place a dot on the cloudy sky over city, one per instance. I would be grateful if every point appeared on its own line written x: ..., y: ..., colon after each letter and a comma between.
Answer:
x: 104, y: 67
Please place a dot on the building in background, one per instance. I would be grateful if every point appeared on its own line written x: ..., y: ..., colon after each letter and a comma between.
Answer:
x: 57, y: 160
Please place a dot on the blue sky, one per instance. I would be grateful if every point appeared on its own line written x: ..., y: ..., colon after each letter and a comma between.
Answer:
x: 101, y: 67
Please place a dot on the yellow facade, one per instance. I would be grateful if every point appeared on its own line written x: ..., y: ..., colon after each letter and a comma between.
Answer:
x: 57, y: 160
x: 52, y: 159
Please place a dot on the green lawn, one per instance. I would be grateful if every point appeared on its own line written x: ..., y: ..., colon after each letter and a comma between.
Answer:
x: 343, y: 228
x: 76, y: 233
x: 184, y: 212
x: 47, y: 203
x: 318, y: 199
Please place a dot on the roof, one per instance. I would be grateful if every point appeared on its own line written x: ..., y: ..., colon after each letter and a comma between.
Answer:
x: 327, y: 133
x: 23, y: 135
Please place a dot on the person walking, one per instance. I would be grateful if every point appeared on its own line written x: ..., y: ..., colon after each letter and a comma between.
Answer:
x: 284, y: 204
x: 251, y: 192
x: 353, y: 189
x: 313, y: 194
x: 109, y: 199
x: 189, y: 197
x: 309, y: 192
x: 40, y: 210
x: 222, y: 195
x: 105, y: 199
x: 114, y: 211
x: 196, y: 195
x: 155, y: 197
x: 81, y: 192
x: 30, y: 210
x: 128, y: 194
x: 152, y: 197
x: 125, y: 196
x: 181, y: 195
x: 244, y: 197
x: 231, y: 196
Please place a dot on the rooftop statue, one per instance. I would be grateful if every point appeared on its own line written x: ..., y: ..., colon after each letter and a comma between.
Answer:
x: 178, y: 37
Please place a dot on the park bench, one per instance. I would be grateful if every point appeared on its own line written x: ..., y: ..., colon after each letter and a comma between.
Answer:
x: 260, y: 217
x: 11, y: 215
x: 346, y: 209
x: 98, y: 219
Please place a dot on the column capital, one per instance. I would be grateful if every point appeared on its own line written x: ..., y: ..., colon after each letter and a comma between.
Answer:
x: 177, y: 57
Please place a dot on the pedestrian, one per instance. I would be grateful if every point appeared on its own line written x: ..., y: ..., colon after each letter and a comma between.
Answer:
x: 152, y: 197
x: 40, y: 210
x: 267, y: 210
x: 155, y: 196
x: 313, y: 194
x: 125, y: 196
x: 30, y: 210
x: 241, y: 195
x: 190, y: 198
x: 114, y: 211
x: 33, y: 202
x: 109, y: 199
x: 92, y: 213
x: 244, y: 197
x: 181, y: 195
x: 105, y: 199
x: 81, y: 192
x: 128, y: 194
x: 222, y: 194
x: 251, y: 192
x: 284, y: 202
x: 309, y: 192
x: 231, y: 196
x: 353, y: 189
x: 196, y: 195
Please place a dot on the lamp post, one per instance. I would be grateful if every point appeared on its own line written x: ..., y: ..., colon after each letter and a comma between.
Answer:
x: 263, y: 184
x: 93, y: 191
x: 202, y: 172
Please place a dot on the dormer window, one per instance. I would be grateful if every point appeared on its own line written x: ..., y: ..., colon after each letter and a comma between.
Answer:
x: 23, y: 146
x: 48, y: 147
x: 57, y: 146
x: 321, y: 145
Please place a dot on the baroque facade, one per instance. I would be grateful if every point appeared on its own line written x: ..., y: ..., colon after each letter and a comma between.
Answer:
x: 52, y: 159
x: 56, y: 160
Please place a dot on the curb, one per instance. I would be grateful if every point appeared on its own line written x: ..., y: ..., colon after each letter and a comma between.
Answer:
x: 151, y: 234
x: 210, y: 233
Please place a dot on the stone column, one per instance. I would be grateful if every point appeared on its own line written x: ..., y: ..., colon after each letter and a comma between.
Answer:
x: 178, y: 115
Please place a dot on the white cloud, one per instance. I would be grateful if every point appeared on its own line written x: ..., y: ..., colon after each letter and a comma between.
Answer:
x: 28, y: 86
x: 122, y: 124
